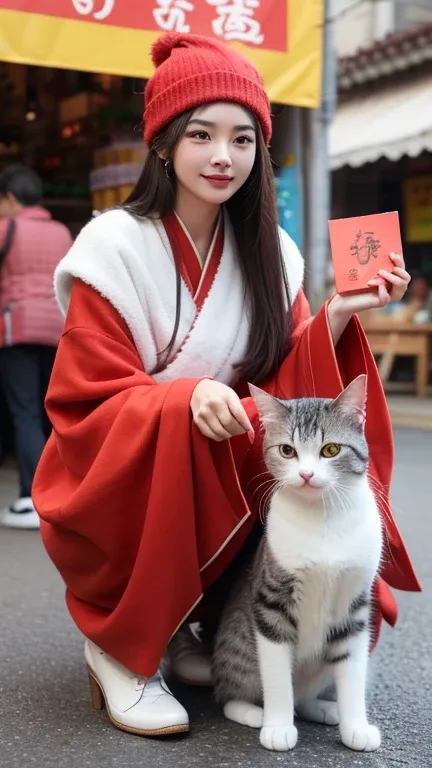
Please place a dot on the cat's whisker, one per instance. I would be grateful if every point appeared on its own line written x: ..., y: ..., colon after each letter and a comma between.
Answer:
x: 385, y: 507
x: 385, y: 511
x: 325, y: 496
x: 381, y: 497
x: 342, y: 496
x: 255, y: 477
x: 265, y: 499
x: 332, y: 493
x: 277, y: 486
x: 270, y: 481
x: 338, y: 500
x: 374, y: 480
x: 264, y: 504
x: 377, y: 487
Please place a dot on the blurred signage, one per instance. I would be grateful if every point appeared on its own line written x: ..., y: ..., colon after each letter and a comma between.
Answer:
x: 418, y: 209
x: 282, y: 37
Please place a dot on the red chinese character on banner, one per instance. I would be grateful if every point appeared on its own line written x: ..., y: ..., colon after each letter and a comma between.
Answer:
x: 87, y: 7
x: 236, y: 20
x: 171, y: 15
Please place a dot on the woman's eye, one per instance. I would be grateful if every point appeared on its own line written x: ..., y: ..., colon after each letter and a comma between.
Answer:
x: 287, y: 451
x: 243, y: 140
x: 200, y: 135
x: 330, y: 450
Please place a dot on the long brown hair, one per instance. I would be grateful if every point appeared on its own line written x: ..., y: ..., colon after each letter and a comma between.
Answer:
x: 253, y: 214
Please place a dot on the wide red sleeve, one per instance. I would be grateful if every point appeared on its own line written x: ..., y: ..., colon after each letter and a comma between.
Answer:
x: 314, y: 368
x: 131, y: 495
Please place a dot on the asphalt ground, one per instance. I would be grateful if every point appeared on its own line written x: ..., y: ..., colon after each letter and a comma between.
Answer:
x: 45, y: 715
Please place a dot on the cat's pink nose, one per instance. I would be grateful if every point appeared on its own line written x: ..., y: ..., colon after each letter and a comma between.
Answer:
x: 306, y: 476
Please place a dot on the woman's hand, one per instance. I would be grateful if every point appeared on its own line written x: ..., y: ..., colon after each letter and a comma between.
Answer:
x: 391, y: 286
x: 393, y: 289
x: 397, y: 281
x: 217, y: 411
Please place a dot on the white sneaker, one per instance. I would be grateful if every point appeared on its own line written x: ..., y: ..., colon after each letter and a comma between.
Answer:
x: 21, y: 514
x: 139, y: 705
x: 188, y: 659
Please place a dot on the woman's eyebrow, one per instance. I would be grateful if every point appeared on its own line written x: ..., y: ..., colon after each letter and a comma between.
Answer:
x: 208, y: 124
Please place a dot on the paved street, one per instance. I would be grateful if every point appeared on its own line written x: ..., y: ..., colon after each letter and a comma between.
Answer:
x: 45, y: 714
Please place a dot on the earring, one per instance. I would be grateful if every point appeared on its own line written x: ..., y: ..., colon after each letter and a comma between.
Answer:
x: 168, y: 169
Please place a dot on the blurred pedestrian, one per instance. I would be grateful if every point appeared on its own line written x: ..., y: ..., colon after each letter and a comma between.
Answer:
x: 31, y: 245
x: 419, y: 300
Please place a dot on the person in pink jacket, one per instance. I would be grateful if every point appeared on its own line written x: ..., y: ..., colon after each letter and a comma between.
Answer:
x: 31, y: 246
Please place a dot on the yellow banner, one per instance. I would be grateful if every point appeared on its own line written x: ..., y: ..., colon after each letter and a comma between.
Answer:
x: 418, y: 209
x: 282, y: 37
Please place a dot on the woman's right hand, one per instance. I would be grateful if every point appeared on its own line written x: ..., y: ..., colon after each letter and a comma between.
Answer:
x: 217, y: 411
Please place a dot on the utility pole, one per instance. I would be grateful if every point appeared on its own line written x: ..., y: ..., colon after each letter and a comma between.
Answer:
x: 317, y: 172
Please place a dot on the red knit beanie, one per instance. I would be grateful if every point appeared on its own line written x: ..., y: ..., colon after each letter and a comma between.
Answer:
x: 192, y: 70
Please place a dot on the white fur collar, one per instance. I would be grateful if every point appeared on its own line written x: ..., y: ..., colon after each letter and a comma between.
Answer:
x: 129, y: 262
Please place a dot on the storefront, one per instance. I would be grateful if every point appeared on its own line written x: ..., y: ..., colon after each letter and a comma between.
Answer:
x: 72, y: 76
x: 58, y: 120
x: 381, y: 155
x: 381, y: 140
x: 78, y: 70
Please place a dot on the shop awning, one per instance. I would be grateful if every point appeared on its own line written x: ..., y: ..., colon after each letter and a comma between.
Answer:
x: 283, y: 38
x: 390, y: 123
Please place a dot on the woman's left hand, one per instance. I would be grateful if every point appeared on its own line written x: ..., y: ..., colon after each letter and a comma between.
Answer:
x: 342, y: 308
x: 394, y: 289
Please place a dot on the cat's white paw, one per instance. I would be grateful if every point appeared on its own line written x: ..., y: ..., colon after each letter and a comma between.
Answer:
x: 244, y: 713
x: 280, y: 738
x: 363, y: 738
x: 319, y: 711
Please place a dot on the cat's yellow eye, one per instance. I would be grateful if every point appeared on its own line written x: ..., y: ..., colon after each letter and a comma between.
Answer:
x: 287, y: 451
x: 330, y: 450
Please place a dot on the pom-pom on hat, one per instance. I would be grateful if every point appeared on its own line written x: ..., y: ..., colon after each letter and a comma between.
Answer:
x: 192, y: 70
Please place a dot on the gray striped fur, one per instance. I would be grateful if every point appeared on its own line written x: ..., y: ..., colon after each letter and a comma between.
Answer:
x: 267, y: 599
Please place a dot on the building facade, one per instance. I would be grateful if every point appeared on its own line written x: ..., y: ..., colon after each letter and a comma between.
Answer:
x: 381, y: 137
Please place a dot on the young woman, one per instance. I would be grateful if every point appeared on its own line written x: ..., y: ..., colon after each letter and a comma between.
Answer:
x: 147, y: 489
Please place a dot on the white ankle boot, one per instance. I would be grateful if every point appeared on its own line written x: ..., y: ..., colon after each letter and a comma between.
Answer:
x: 139, y: 705
x: 188, y: 659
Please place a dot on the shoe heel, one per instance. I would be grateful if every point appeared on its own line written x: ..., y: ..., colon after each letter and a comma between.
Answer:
x: 96, y: 696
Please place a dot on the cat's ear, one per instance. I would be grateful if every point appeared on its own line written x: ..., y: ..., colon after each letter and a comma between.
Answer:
x: 353, y: 399
x: 269, y: 407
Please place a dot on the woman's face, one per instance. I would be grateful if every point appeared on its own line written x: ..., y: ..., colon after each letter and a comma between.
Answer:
x: 216, y: 155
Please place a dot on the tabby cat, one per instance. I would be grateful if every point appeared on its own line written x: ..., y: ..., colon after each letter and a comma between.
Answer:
x: 298, y: 618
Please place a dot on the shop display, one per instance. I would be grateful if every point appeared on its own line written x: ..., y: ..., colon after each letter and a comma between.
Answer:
x: 116, y: 169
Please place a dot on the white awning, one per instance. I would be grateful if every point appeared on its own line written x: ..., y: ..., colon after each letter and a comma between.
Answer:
x: 390, y: 123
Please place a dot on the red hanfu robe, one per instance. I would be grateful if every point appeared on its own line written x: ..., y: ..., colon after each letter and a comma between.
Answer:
x: 140, y: 512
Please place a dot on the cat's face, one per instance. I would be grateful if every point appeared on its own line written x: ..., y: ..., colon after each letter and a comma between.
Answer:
x: 315, y: 445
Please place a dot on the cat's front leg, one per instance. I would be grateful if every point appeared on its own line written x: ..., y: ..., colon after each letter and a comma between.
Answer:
x: 350, y: 678
x: 275, y: 660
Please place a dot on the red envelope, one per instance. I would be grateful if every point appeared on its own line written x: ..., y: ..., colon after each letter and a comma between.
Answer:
x: 360, y: 246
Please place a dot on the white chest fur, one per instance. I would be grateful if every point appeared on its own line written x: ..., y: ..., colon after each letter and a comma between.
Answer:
x: 335, y: 557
